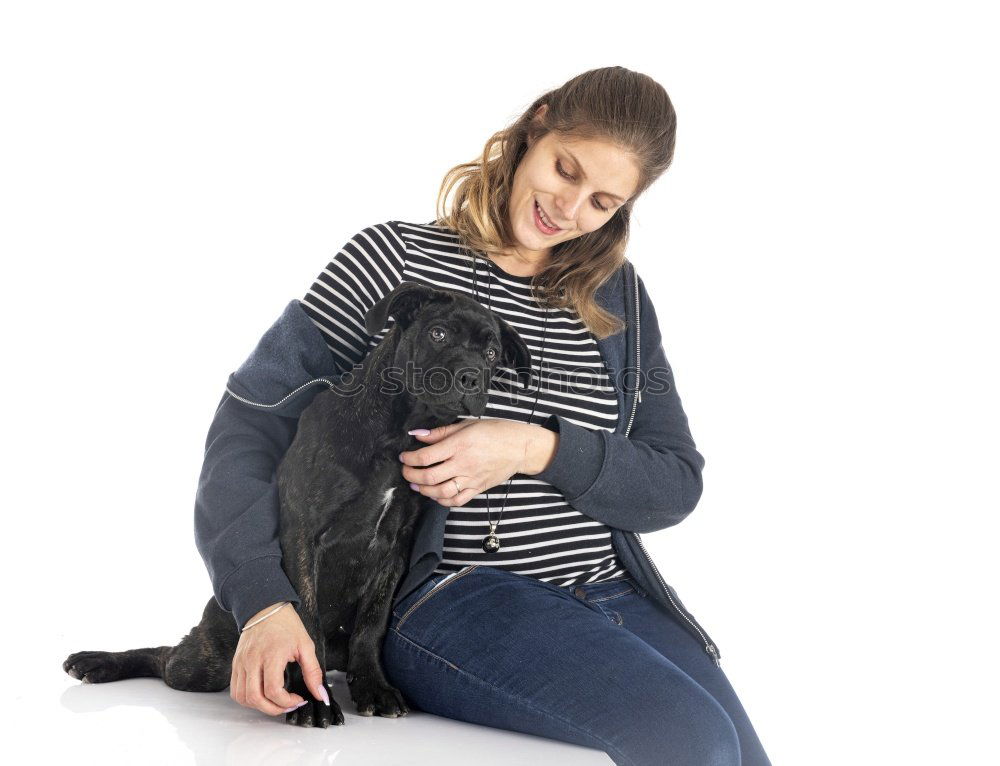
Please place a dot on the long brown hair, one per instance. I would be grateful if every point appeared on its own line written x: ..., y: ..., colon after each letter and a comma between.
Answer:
x: 613, y: 104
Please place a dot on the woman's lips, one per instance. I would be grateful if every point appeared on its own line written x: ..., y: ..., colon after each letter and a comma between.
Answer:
x: 540, y: 223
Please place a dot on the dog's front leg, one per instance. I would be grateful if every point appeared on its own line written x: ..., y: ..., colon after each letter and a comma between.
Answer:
x: 369, y: 687
x: 301, y: 563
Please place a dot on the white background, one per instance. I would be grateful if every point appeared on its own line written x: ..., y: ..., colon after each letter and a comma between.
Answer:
x: 820, y: 255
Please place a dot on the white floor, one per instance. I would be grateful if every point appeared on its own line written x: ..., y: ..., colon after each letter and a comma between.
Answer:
x: 143, y: 721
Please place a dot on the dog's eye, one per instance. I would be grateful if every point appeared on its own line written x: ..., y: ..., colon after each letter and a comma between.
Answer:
x: 438, y: 334
x: 491, y: 354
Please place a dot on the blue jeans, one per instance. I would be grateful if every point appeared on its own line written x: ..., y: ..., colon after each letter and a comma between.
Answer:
x: 608, y: 668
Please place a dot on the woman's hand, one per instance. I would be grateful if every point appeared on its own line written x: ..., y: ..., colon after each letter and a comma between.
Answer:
x: 258, y: 679
x: 480, y: 454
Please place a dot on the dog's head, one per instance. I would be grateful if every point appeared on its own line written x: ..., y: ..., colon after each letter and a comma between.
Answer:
x: 449, y: 346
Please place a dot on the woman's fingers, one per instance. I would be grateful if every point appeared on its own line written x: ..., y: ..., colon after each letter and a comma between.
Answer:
x: 237, y: 684
x: 453, y: 501
x: 274, y: 685
x: 445, y: 490
x: 436, y: 474
x: 312, y: 673
x: 439, y: 433
x: 426, y: 456
x: 255, y: 693
x: 439, y: 446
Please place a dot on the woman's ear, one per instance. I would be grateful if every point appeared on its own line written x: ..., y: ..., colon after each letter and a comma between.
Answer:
x: 402, y: 303
x: 514, y: 353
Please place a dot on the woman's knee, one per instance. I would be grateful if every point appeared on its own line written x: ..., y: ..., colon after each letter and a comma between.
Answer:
x: 682, y: 728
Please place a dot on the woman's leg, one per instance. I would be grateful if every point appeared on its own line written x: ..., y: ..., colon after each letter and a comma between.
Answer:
x: 490, y: 647
x: 627, y: 605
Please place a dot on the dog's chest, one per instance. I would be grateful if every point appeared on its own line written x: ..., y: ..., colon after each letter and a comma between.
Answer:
x: 377, y: 516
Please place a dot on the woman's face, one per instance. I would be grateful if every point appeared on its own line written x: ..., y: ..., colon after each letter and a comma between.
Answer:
x: 579, y: 185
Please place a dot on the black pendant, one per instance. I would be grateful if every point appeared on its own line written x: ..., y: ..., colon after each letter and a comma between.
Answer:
x: 491, y: 543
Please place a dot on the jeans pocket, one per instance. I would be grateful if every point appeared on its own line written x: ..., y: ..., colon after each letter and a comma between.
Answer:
x: 427, y: 591
x: 626, y: 589
x: 426, y: 586
x: 604, y: 600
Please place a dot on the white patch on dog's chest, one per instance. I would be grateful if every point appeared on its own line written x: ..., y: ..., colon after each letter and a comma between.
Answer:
x: 386, y: 502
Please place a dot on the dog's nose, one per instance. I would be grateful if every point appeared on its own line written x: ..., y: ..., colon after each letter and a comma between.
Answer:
x: 469, y: 380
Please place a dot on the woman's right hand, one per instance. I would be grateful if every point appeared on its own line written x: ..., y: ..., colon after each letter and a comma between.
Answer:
x: 258, y: 678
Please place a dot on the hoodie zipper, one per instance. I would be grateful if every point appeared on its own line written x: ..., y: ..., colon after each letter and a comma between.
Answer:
x: 710, y: 648
x: 638, y: 394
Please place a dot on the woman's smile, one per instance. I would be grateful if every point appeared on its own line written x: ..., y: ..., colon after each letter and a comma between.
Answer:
x: 542, y: 220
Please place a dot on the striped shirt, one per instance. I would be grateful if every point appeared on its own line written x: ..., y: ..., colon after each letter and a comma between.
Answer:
x: 541, y: 534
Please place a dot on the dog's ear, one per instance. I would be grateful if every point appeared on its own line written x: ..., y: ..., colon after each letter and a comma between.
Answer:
x: 401, y: 304
x: 514, y: 353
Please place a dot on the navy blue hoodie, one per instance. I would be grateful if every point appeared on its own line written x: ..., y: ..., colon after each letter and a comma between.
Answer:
x: 643, y: 477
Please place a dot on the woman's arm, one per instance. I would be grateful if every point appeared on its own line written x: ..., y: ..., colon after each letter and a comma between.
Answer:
x: 646, y: 481
x: 236, y: 512
x: 236, y: 517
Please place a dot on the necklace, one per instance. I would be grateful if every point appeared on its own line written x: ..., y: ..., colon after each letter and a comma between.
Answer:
x: 491, y: 543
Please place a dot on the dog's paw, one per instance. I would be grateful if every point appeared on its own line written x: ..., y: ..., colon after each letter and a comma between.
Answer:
x: 93, y: 667
x: 316, y: 713
x: 373, y: 698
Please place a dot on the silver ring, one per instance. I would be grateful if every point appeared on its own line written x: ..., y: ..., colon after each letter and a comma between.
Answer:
x: 458, y: 488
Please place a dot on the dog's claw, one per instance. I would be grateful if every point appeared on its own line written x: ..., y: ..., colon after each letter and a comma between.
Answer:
x: 314, y: 712
x: 317, y: 714
x: 378, y: 699
x: 92, y: 667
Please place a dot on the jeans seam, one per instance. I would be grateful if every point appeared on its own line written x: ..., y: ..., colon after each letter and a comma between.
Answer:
x: 518, y: 700
x: 613, y: 595
x: 611, y: 614
x: 428, y: 651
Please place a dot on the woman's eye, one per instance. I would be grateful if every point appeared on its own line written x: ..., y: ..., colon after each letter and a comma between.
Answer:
x: 438, y: 334
x: 597, y: 204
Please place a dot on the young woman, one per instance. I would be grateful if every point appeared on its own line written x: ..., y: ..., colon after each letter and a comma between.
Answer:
x: 537, y: 617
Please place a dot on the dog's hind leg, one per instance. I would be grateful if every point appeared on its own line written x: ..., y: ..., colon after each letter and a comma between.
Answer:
x: 369, y: 688
x: 201, y: 662
x: 95, y: 667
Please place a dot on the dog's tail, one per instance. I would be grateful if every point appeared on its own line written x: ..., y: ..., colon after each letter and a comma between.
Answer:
x: 94, y: 667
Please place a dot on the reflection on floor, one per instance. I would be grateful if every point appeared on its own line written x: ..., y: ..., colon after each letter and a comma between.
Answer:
x: 142, y: 720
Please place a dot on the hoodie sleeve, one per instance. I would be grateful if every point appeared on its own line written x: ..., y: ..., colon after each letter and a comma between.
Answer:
x: 643, y: 482
x: 236, y: 515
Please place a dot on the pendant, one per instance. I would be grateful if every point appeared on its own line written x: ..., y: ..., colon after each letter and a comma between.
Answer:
x: 491, y: 543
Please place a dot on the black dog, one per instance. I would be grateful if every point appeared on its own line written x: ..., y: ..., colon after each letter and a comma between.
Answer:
x: 347, y: 513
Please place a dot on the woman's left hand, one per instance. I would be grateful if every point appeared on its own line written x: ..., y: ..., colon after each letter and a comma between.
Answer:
x: 480, y: 454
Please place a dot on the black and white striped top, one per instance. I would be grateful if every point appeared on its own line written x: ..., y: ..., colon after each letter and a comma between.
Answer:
x: 541, y: 535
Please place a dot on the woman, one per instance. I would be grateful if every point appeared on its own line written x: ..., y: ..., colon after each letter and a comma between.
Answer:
x: 531, y: 621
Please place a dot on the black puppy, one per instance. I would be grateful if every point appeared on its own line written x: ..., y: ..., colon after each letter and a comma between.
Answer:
x: 347, y: 513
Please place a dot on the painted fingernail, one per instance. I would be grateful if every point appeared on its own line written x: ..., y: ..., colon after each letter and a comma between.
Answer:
x: 326, y: 697
x: 419, y: 432
x: 414, y: 486
x: 294, y: 707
